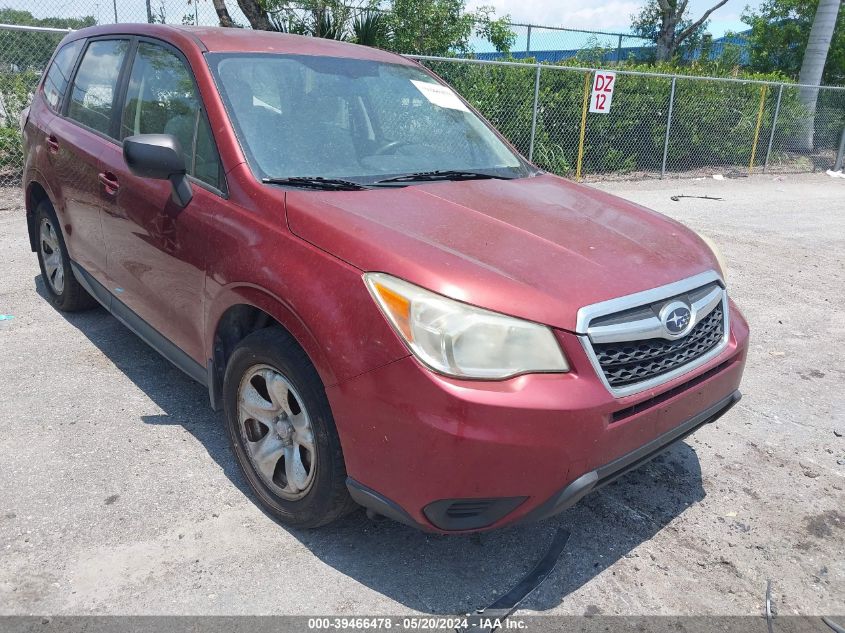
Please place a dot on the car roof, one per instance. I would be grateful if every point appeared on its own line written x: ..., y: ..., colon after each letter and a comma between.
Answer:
x: 231, y: 40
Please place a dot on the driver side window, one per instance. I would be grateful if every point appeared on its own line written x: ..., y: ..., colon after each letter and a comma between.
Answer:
x: 162, y: 99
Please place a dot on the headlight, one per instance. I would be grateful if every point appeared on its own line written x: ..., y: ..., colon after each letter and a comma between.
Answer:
x: 461, y: 340
x: 717, y: 254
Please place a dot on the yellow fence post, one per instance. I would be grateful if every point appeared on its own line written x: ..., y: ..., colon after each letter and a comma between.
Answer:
x: 757, y: 129
x: 583, y: 125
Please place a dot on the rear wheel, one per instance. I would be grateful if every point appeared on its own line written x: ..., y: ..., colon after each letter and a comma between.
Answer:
x: 63, y: 290
x: 282, y: 431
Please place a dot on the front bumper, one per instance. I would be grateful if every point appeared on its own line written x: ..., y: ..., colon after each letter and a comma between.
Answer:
x: 451, y: 456
x: 595, y: 479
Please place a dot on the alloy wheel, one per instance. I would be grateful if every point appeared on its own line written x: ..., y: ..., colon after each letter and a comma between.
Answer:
x: 276, y: 431
x: 51, y: 254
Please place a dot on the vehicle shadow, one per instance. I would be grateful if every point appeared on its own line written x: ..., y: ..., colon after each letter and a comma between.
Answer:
x: 424, y: 572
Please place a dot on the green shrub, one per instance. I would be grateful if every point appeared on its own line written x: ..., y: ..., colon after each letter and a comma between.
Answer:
x: 16, y: 89
x: 11, y: 154
x: 713, y: 122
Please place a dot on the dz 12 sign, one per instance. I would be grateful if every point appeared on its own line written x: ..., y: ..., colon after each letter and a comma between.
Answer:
x: 603, y: 84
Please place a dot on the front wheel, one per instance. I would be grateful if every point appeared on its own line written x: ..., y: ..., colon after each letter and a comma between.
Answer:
x: 282, y: 431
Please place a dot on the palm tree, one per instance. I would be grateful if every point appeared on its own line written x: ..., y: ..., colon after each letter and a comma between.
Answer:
x: 371, y: 28
x: 812, y: 66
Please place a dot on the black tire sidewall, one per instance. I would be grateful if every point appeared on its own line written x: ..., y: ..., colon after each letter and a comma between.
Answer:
x: 327, y: 498
x: 42, y: 212
x: 73, y: 296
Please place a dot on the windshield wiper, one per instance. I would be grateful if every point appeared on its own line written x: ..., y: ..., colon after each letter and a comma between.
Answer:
x: 316, y: 182
x: 445, y: 174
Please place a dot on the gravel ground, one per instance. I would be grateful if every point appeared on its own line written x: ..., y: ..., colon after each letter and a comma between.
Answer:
x: 120, y: 496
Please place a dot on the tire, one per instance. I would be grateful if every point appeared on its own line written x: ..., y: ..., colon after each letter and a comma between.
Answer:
x: 63, y: 289
x: 290, y: 455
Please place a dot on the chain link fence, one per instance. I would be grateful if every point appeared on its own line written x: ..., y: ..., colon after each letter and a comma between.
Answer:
x: 200, y: 12
x: 24, y: 52
x: 530, y: 39
x: 658, y: 125
x: 554, y: 44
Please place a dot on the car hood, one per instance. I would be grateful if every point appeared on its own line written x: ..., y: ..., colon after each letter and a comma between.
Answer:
x: 538, y: 248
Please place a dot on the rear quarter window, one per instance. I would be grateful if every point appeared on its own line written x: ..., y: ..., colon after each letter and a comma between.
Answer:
x: 58, y: 75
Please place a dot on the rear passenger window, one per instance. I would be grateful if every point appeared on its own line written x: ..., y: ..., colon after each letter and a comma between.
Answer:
x: 161, y: 99
x: 95, y: 84
x: 55, y: 83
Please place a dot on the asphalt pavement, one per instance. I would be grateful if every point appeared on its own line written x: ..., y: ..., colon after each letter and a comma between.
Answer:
x: 119, y: 495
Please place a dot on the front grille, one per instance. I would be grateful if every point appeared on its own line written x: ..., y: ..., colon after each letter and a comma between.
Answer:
x: 630, y: 362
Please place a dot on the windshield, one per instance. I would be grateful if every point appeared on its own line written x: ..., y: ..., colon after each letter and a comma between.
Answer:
x: 307, y: 116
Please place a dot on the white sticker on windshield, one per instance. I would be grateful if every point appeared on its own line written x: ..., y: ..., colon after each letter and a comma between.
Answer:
x: 440, y: 95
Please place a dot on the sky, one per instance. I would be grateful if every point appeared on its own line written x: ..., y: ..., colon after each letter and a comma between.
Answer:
x: 609, y: 15
x: 599, y: 15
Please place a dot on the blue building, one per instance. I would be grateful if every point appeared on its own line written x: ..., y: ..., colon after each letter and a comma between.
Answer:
x: 641, y: 52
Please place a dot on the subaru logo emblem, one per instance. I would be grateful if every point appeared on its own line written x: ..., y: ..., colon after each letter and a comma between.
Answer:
x: 676, y: 318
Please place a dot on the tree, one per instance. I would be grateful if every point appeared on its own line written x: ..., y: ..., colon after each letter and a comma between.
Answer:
x: 818, y: 44
x: 371, y: 28
x: 25, y: 51
x: 804, y: 39
x: 665, y: 22
x: 443, y: 27
x: 329, y: 19
x: 222, y: 13
x: 780, y: 31
x: 433, y: 27
x: 430, y: 27
x: 256, y: 14
x: 497, y: 31
x: 813, y: 64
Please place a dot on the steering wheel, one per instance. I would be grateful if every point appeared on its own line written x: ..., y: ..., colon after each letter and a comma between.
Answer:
x: 385, y: 149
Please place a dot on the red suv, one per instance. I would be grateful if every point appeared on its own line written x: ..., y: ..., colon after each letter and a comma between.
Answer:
x: 393, y: 308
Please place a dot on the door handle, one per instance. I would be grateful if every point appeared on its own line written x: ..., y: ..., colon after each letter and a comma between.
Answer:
x: 52, y: 144
x: 109, y: 182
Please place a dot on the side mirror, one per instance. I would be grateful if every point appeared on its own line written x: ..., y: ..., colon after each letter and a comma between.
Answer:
x: 159, y: 156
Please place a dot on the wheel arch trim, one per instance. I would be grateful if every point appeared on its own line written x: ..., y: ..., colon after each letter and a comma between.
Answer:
x: 234, y: 295
x: 31, y: 202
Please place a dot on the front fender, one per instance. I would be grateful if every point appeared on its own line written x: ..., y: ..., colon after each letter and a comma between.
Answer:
x: 253, y: 296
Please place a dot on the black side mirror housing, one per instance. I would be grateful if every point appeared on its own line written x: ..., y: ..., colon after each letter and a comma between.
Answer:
x: 159, y: 156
